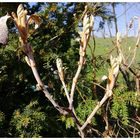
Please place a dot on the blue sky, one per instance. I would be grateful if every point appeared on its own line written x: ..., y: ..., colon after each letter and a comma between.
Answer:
x: 124, y: 15
x: 131, y: 10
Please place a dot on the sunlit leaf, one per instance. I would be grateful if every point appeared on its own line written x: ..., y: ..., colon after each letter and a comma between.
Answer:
x: 21, y: 13
x: 34, y: 19
x: 69, y: 123
x: 53, y: 8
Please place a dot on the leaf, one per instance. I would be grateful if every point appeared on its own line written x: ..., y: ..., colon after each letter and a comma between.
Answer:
x: 4, y: 30
x: 69, y: 123
x: 63, y: 118
x: 53, y: 8
x: 21, y: 13
x: 34, y: 19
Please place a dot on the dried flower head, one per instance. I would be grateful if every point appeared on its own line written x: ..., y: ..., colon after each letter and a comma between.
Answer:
x: 60, y: 68
x: 115, y: 62
x: 22, y: 22
x: 114, y: 70
x: 88, y: 23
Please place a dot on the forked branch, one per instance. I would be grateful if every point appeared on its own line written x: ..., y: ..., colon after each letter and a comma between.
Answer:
x: 113, y: 74
x: 85, y: 35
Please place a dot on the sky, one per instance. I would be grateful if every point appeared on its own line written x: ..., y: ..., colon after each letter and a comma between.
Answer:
x: 133, y: 9
x: 124, y: 13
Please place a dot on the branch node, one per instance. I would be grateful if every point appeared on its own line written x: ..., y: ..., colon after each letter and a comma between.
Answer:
x: 39, y: 87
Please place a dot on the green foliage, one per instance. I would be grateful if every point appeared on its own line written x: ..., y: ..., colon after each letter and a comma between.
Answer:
x: 29, y: 122
x: 2, y: 123
x: 2, y: 119
x: 124, y: 102
x: 69, y: 122
x: 85, y: 108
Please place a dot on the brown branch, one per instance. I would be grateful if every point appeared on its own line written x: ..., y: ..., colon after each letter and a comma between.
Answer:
x: 134, y: 51
x: 106, y: 115
x: 80, y: 94
x: 40, y: 84
x: 60, y: 109
x: 133, y: 58
x: 137, y: 86
x: 135, y: 121
x: 106, y: 96
x: 99, y: 86
x: 47, y: 94
x: 118, y: 132
x: 122, y: 128
x: 132, y: 71
x: 135, y: 129
x: 85, y: 35
x: 59, y: 65
x: 136, y: 47
x: 66, y: 91
x: 93, y: 59
x: 75, y: 79
x: 113, y: 74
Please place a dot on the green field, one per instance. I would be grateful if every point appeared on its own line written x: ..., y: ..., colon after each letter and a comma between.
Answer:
x: 105, y: 47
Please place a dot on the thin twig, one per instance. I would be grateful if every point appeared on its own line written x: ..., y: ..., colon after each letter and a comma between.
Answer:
x: 135, y: 129
x: 99, y: 86
x: 134, y: 121
x: 80, y: 94
x: 41, y: 84
x: 133, y: 58
x: 113, y: 132
x: 136, y: 47
x: 122, y: 128
x: 75, y: 81
x: 94, y: 111
x: 83, y: 45
x: 113, y: 74
x: 66, y: 91
x: 97, y: 131
x: 118, y: 132
x: 106, y: 115
x: 59, y: 65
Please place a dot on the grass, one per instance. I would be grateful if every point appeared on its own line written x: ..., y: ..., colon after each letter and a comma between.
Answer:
x: 104, y: 46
